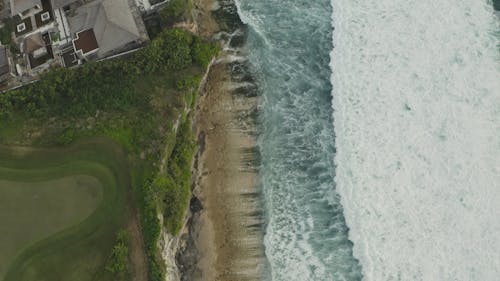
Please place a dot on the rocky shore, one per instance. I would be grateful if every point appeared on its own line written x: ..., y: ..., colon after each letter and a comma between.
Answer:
x: 223, y: 237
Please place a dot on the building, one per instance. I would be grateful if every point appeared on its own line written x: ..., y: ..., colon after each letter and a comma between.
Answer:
x: 25, y: 8
x: 106, y: 27
x: 5, y: 65
x: 69, y: 33
x: 60, y: 4
x: 37, y: 49
x: 30, y: 15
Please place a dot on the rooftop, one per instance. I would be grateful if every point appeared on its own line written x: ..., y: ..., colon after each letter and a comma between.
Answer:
x: 57, y: 4
x: 85, y: 41
x: 112, y: 21
x: 69, y: 57
x: 38, y: 49
x: 19, y: 6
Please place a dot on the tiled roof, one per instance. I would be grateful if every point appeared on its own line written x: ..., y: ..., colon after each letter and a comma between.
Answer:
x: 86, y: 41
x: 112, y: 21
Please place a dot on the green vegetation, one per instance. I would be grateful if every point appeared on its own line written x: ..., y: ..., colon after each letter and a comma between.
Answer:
x: 202, y: 52
x: 151, y: 229
x: 176, y: 10
x: 107, y: 85
x: 6, y: 32
x: 6, y: 35
x: 169, y: 191
x: 144, y: 103
x: 33, y: 211
x: 118, y: 261
x: 69, y: 229
x: 175, y: 186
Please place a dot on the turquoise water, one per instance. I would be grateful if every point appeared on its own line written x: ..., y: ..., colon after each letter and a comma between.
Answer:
x: 289, y: 43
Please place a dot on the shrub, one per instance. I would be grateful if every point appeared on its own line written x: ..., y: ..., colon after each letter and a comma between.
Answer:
x: 106, y: 85
x: 203, y: 52
x: 118, y: 261
x: 177, y: 184
x: 151, y: 230
x: 174, y: 11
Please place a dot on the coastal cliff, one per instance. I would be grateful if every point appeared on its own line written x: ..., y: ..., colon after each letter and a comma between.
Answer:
x: 222, y: 237
x: 171, y: 245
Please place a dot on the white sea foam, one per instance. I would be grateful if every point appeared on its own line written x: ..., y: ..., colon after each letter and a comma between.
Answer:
x: 288, y: 45
x: 416, y: 87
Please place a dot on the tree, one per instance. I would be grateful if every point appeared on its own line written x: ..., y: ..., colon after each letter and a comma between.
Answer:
x: 174, y: 11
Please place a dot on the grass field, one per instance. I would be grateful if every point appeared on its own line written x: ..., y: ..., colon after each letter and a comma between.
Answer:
x: 60, y: 210
x: 31, y: 211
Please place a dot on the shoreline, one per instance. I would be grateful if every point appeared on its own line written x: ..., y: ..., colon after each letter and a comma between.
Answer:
x: 226, y: 185
x: 224, y: 234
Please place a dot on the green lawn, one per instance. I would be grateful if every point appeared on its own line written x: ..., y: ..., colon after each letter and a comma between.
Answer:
x: 60, y: 210
x: 31, y: 211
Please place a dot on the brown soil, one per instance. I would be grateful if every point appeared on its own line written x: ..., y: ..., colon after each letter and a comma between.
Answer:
x: 202, y: 15
x: 137, y: 252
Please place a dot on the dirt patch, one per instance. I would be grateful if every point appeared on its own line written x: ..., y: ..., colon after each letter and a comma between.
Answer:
x: 206, y: 25
x: 137, y: 252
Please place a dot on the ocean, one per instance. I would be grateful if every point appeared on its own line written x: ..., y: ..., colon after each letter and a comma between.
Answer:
x: 380, y: 149
x: 416, y: 94
x: 288, y: 47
